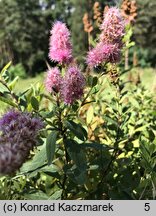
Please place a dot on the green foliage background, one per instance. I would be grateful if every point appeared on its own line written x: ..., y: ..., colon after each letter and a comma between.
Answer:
x: 25, y: 28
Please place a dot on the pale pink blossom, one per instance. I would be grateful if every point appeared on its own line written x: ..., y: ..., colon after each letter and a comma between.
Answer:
x: 53, y: 80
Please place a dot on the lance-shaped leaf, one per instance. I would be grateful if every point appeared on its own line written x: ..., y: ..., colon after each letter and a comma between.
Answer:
x: 37, y: 161
x: 78, y: 172
x: 34, y: 103
x: 76, y: 154
x: 8, y: 101
x: 13, y: 83
x: 51, y: 145
x: 77, y: 130
x: 6, y: 68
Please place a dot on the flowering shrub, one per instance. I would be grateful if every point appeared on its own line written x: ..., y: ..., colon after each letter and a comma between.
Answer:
x: 98, y: 136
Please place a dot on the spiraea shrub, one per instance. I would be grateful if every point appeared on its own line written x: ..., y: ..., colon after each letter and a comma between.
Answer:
x: 81, y: 133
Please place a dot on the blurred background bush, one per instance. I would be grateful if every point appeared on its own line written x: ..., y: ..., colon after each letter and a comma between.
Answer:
x: 24, y: 32
x: 17, y: 70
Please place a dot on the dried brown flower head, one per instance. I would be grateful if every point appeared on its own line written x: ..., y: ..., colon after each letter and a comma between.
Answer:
x: 97, y: 13
x: 105, y: 9
x: 87, y: 23
x: 129, y: 10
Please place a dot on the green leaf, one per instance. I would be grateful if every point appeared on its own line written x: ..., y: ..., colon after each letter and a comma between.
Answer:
x: 34, y: 103
x: 5, y: 68
x: 151, y: 135
x: 77, y: 130
x: 95, y: 89
x: 24, y: 92
x: 56, y: 195
x: 75, y: 107
x: 92, y: 41
x: 93, y: 167
x: 142, y: 128
x: 76, y: 154
x: 131, y: 44
x: 80, y: 177
x: 8, y: 101
x: 51, y: 145
x: 126, y: 71
x: 13, y: 83
x: 22, y: 102
x: 92, y: 81
x: 96, y: 146
x: 51, y: 170
x: 110, y: 120
x: 37, y: 161
x: 36, y: 196
x: 77, y: 172
x: 47, y: 114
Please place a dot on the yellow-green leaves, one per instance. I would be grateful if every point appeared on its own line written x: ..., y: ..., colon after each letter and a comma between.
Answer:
x: 90, y: 114
x: 5, y: 68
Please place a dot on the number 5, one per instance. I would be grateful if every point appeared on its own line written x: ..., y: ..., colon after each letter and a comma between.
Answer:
x: 147, y: 207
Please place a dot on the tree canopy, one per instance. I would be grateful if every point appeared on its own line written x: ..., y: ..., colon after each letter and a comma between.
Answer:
x: 145, y: 28
x: 25, y: 29
x: 25, y: 25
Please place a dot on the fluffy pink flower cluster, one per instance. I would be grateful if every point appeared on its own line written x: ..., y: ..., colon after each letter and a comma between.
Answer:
x: 110, y: 41
x: 19, y: 131
x: 113, y: 26
x: 103, y: 53
x: 53, y: 80
x: 70, y: 86
x: 60, y: 46
x: 73, y: 85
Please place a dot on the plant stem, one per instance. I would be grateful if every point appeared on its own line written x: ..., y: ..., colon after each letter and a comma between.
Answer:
x: 116, y: 149
x: 62, y: 132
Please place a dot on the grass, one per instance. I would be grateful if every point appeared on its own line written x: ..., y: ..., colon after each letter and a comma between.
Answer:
x: 23, y: 84
x: 147, y: 76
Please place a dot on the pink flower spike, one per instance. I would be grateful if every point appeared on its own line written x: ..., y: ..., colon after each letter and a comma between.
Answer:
x: 53, y: 80
x: 113, y: 26
x: 73, y: 85
x: 103, y: 53
x: 60, y: 48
